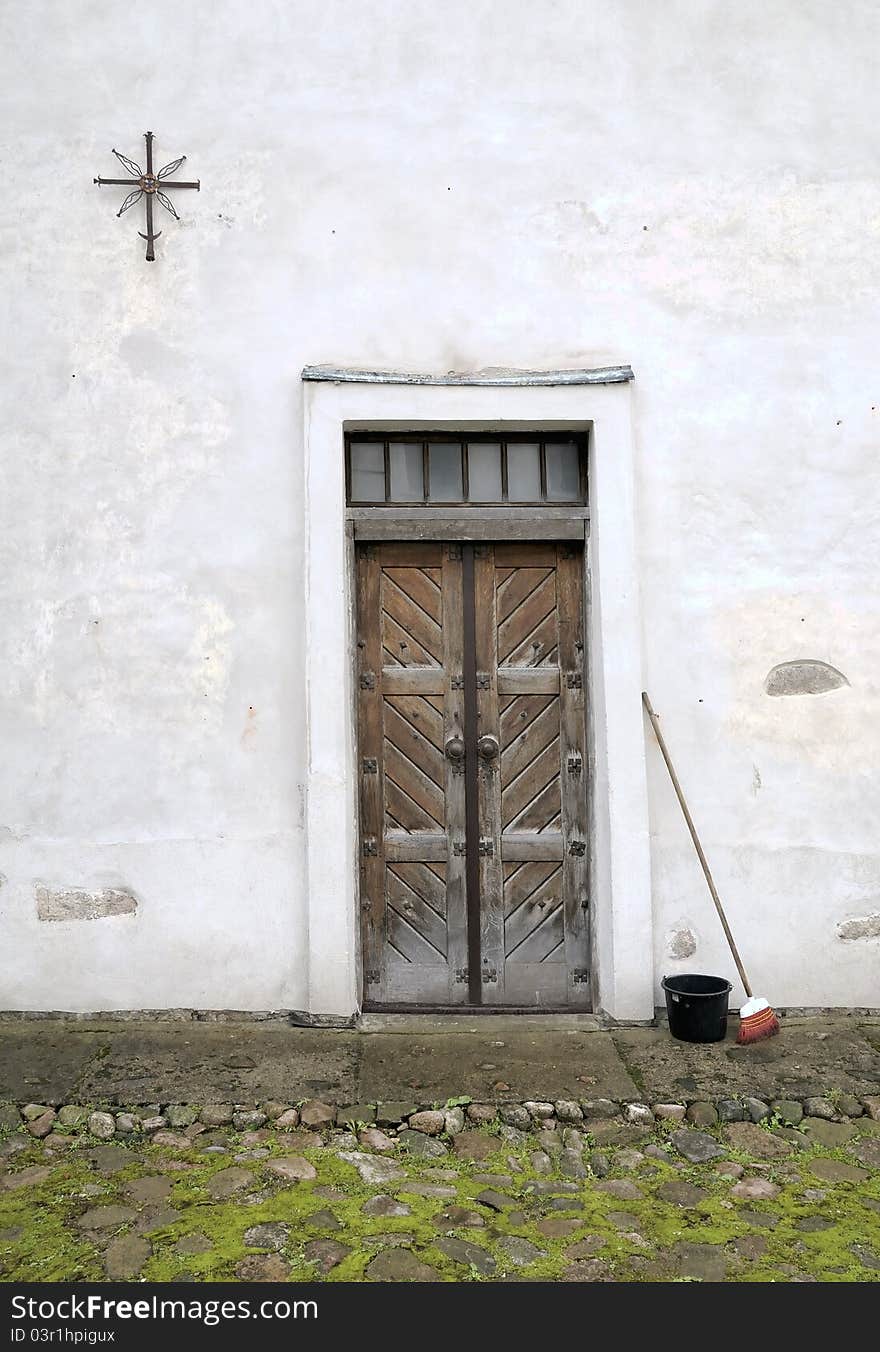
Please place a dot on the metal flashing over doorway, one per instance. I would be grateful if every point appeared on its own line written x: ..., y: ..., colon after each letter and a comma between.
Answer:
x: 506, y: 377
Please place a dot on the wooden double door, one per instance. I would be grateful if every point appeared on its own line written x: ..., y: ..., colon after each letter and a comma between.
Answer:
x: 473, y: 767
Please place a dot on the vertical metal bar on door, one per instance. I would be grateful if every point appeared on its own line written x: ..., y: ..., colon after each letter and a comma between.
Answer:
x: 471, y: 771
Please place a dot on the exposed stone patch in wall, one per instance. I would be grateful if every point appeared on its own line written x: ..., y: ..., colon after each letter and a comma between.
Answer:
x: 681, y: 942
x: 865, y: 927
x: 831, y: 732
x: 71, y: 903
x: 804, y: 677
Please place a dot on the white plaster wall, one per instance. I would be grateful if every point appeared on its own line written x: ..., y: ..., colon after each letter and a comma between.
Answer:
x: 690, y: 187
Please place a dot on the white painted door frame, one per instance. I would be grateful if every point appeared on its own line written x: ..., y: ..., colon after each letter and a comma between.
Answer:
x: 335, y: 400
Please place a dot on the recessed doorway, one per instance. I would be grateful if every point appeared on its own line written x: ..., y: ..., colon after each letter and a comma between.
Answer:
x: 471, y: 734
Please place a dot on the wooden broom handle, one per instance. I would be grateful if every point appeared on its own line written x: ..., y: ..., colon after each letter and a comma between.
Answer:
x: 655, y: 723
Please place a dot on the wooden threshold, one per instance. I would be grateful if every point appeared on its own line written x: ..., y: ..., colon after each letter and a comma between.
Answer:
x: 466, y: 1011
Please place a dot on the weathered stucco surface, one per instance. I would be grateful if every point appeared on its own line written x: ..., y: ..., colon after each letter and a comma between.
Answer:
x: 689, y: 187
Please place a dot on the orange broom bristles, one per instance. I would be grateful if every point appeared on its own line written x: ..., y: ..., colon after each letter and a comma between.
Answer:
x: 753, y: 1027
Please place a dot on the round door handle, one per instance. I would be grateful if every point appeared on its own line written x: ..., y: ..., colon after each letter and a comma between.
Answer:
x: 454, y: 748
x: 487, y: 747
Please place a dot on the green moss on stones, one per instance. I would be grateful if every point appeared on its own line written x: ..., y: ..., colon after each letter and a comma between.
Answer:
x: 638, y: 1239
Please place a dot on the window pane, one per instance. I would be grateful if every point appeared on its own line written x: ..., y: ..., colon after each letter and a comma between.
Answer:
x: 406, y: 471
x: 367, y: 471
x: 523, y: 472
x: 444, y: 460
x: 563, y: 472
x: 484, y: 472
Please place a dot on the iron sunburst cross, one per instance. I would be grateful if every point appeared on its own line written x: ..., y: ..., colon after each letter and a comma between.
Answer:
x: 145, y: 183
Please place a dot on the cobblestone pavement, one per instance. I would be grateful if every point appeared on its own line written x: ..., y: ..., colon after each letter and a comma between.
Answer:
x: 573, y: 1190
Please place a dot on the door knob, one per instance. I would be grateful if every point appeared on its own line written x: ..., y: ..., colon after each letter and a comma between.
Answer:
x: 454, y: 748
x: 487, y: 747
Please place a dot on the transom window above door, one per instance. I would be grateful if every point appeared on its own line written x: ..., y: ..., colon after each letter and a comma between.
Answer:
x: 405, y: 468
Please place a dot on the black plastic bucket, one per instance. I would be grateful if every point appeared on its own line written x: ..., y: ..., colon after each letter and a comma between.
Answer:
x: 697, y: 1007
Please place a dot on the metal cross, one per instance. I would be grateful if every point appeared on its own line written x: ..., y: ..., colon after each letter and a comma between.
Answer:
x: 148, y: 185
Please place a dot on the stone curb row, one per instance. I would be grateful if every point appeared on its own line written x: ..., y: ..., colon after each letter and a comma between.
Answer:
x: 154, y: 1120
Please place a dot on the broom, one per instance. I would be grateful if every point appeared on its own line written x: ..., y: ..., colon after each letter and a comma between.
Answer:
x: 756, y: 1018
